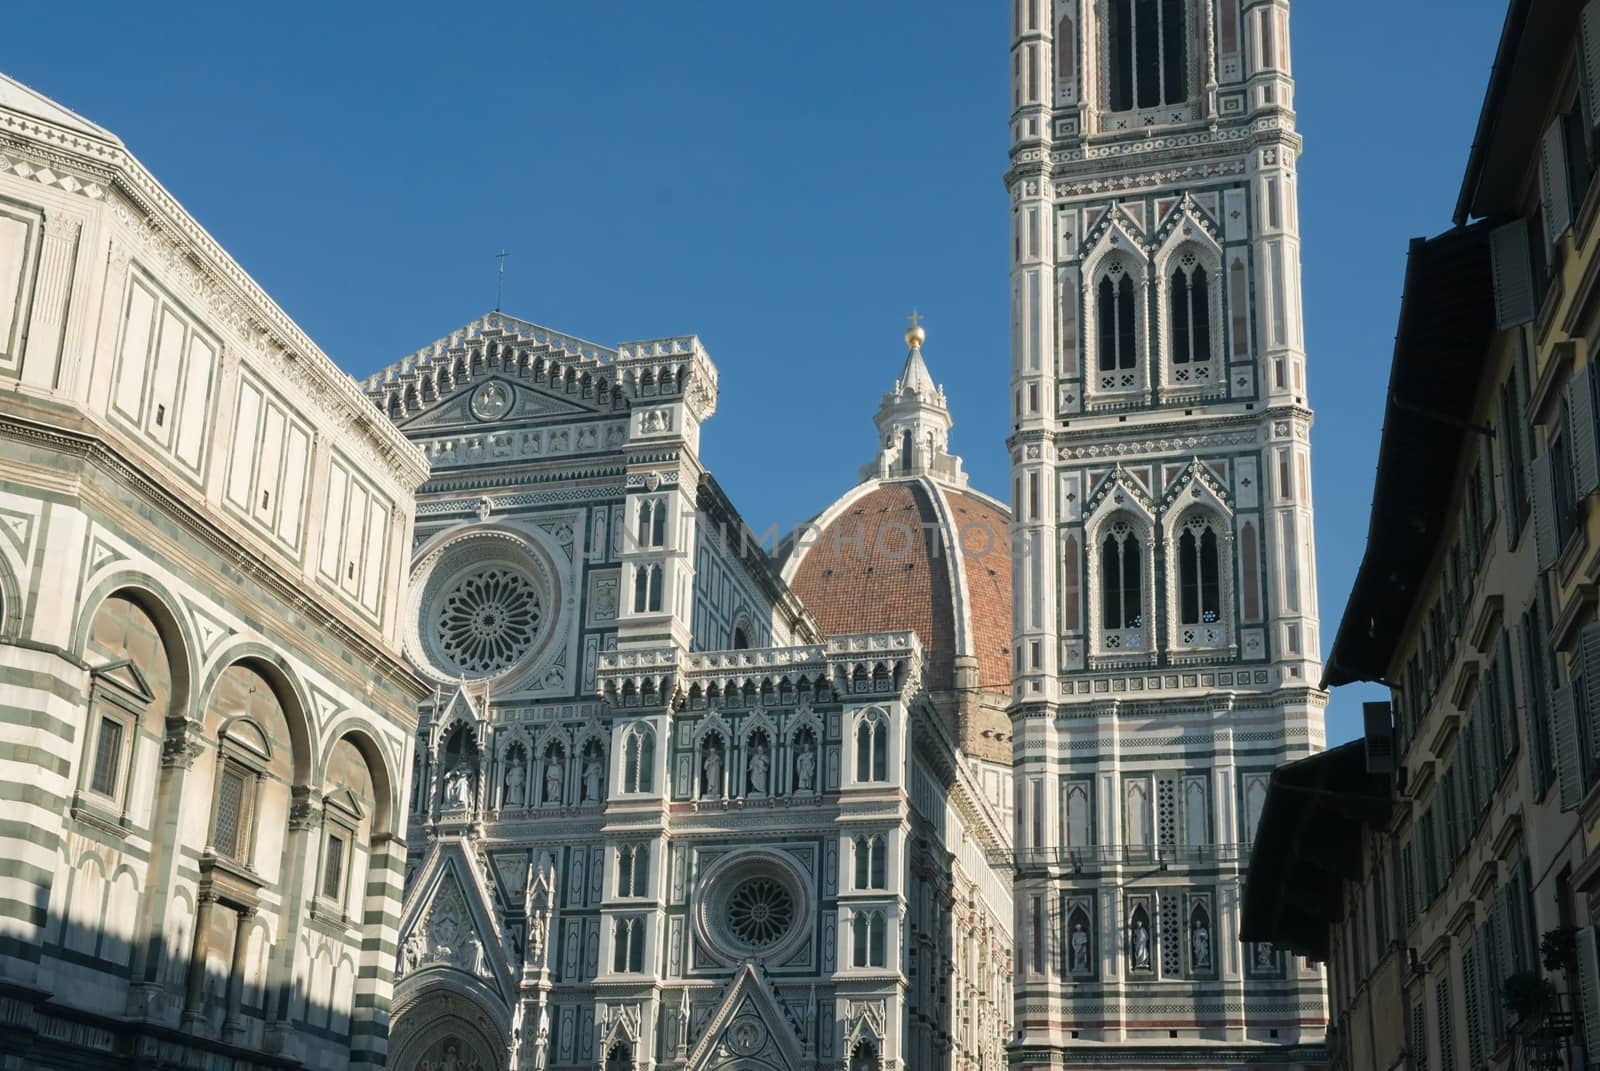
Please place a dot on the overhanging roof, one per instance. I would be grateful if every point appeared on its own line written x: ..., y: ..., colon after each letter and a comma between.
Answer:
x: 1440, y: 347
x: 1537, y: 38
x: 1308, y: 843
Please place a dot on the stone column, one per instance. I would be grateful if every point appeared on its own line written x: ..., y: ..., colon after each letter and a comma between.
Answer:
x: 178, y: 752
x: 194, y: 1011
x: 233, y: 1026
x: 305, y: 819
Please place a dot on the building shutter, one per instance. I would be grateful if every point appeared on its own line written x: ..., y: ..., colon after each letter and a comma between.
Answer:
x: 1581, y: 416
x: 1589, y: 654
x: 1566, y: 725
x: 1589, y: 987
x: 1513, y: 275
x: 1589, y: 60
x: 1546, y: 540
x: 1557, y: 197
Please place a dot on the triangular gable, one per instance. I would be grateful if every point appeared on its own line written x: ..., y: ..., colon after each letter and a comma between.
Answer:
x: 16, y: 97
x: 493, y: 403
x: 1203, y: 485
x: 125, y: 677
x: 749, y: 1028
x: 451, y: 709
x: 447, y: 923
x: 1121, y: 489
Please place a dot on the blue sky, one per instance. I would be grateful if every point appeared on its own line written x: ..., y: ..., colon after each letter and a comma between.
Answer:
x: 785, y: 181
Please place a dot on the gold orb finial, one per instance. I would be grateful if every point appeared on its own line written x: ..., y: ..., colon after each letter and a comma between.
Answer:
x: 915, y: 335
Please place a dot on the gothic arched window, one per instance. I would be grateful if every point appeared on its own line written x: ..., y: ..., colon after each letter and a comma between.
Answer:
x: 1115, y: 309
x: 646, y: 589
x: 1121, y: 602
x: 628, y: 952
x: 1189, y: 307
x: 871, y: 862
x: 1199, y: 589
x: 638, y: 759
x: 633, y: 870
x: 872, y: 749
x: 1147, y: 61
x: 869, y: 940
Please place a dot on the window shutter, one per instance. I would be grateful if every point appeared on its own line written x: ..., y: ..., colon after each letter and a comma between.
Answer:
x: 1513, y: 275
x: 1589, y: 60
x: 1581, y: 417
x: 1589, y: 653
x: 1544, y: 515
x: 1557, y: 197
x: 1566, y: 726
x: 1589, y: 987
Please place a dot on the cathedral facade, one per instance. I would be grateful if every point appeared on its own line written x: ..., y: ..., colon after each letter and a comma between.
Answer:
x: 1165, y: 633
x: 679, y: 803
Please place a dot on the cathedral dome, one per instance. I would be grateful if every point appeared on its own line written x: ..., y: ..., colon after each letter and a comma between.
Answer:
x: 912, y: 547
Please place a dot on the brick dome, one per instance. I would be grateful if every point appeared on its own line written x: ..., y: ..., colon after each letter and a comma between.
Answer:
x: 913, y: 554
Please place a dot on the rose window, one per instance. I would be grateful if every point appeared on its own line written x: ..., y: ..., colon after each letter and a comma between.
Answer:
x: 487, y: 620
x: 760, y: 912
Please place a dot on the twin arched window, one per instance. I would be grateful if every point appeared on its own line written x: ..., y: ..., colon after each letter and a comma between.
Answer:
x: 870, y: 940
x: 1199, y: 571
x: 1122, y: 593
x: 1189, y: 307
x: 1117, y: 339
x: 1197, y: 557
x: 653, y: 522
x: 871, y: 858
x: 633, y: 870
x: 638, y: 759
x: 646, y: 589
x: 1147, y: 62
x: 872, y: 749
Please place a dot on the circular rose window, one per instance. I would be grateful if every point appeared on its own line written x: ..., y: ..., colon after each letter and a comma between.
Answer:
x: 754, y: 903
x: 485, y: 605
x: 487, y: 620
x: 760, y: 912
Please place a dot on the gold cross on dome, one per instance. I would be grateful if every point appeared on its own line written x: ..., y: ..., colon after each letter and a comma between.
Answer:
x: 915, y: 318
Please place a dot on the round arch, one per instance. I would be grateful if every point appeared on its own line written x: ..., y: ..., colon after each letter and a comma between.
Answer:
x: 431, y: 1014
x: 385, y: 777
x: 155, y: 599
x: 280, y: 675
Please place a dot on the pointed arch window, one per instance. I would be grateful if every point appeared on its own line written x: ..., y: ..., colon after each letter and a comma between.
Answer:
x: 652, y: 522
x: 647, y: 589
x: 628, y: 950
x: 869, y: 940
x: 1189, y: 318
x: 633, y: 870
x: 872, y: 749
x: 638, y: 759
x: 1199, y: 584
x: 1146, y: 54
x: 1122, y: 590
x: 1117, y: 331
x: 871, y: 862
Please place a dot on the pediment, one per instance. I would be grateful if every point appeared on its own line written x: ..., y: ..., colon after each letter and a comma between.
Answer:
x: 124, y: 677
x: 491, y: 403
x: 749, y: 1029
x: 448, y: 924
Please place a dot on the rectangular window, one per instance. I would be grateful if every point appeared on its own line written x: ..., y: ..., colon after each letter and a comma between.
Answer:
x: 107, y: 757
x: 230, y: 814
x: 333, y: 867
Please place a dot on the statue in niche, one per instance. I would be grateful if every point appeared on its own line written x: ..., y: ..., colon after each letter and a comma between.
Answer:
x: 1200, y: 943
x: 552, y: 777
x: 712, y: 786
x: 515, y: 793
x: 536, y: 938
x: 805, y: 770
x: 758, y: 770
x: 1141, y: 944
x: 592, y: 776
x: 469, y: 957
x: 1080, y: 948
x: 411, y: 954
x: 457, y: 788
x: 1265, y: 960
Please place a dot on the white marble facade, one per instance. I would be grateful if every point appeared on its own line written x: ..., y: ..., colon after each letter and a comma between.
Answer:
x: 1165, y: 630
x: 661, y: 820
x: 205, y: 713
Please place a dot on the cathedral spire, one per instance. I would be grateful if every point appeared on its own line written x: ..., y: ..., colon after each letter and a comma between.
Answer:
x: 914, y: 422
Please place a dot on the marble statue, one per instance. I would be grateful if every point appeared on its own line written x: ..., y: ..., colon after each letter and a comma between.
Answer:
x: 514, y: 785
x: 1141, y: 945
x: 805, y: 773
x: 591, y: 779
x: 758, y: 772
x: 552, y: 778
x: 1200, y: 944
x: 1080, y: 949
x: 712, y: 785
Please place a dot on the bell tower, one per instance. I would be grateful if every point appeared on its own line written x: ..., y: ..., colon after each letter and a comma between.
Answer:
x: 1165, y: 635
